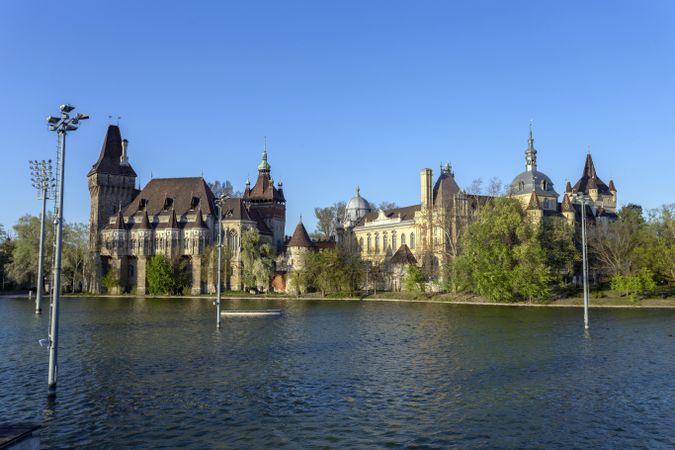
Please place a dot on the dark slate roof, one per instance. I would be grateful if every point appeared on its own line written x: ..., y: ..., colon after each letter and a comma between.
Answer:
x: 199, y: 221
x: 590, y: 180
x: 406, y: 213
x: 111, y: 152
x: 259, y: 221
x: 403, y: 256
x: 143, y: 224
x: 235, y: 209
x: 325, y: 244
x: 445, y: 188
x: 180, y: 190
x: 532, y: 181
x: 119, y: 222
x: 300, y: 237
x: 264, y: 190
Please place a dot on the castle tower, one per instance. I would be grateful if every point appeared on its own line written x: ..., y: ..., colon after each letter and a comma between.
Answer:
x: 268, y: 202
x: 112, y: 183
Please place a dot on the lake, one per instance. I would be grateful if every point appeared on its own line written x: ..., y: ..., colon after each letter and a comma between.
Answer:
x: 156, y: 373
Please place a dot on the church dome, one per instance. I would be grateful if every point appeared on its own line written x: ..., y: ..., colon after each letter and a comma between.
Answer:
x: 532, y: 180
x: 357, y: 207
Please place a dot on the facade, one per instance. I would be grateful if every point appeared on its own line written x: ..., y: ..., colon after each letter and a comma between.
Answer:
x: 426, y: 232
x: 175, y: 217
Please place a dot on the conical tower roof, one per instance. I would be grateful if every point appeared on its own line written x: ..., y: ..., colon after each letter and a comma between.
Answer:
x: 110, y: 157
x: 300, y: 237
x: 589, y: 179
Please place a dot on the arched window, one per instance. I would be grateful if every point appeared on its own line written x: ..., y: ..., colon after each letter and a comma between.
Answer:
x: 545, y: 203
x: 543, y: 185
x: 385, y: 242
x: 412, y: 240
x: 377, y: 243
x: 368, y: 244
x: 393, y: 241
x: 361, y: 244
x: 521, y: 186
x: 402, y: 238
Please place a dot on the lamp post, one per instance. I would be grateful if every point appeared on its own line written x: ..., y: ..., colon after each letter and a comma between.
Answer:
x: 43, y: 181
x: 584, y: 254
x: 61, y: 125
x: 219, y: 206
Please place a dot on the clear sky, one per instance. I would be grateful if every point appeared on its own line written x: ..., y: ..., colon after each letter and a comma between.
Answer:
x: 348, y: 93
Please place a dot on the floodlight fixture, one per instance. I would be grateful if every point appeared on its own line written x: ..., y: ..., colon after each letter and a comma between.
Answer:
x: 66, y: 108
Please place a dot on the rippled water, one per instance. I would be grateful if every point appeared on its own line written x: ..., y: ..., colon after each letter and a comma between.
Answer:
x: 140, y: 373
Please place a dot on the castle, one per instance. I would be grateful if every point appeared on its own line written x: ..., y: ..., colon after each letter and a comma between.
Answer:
x: 427, y: 233
x: 175, y: 217
x: 178, y: 218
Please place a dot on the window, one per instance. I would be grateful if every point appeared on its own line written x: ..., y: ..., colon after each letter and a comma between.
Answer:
x: 168, y: 203
x: 143, y: 203
x: 194, y: 202
x: 543, y: 185
x: 412, y: 240
x: 377, y: 243
x: 402, y: 238
x: 361, y: 244
x: 385, y: 242
x: 393, y: 241
x: 368, y: 247
x: 521, y: 186
x: 545, y: 203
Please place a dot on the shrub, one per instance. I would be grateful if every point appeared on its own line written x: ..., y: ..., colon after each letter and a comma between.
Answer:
x: 110, y: 281
x: 632, y: 285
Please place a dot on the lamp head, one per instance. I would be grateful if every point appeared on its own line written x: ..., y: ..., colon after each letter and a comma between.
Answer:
x: 66, y: 108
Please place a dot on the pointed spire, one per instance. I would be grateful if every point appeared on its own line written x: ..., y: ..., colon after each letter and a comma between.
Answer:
x: 358, y: 191
x: 534, y: 202
x: 611, y: 186
x: 530, y: 153
x: 119, y: 222
x: 566, y: 204
x: 300, y: 237
x: 589, y: 167
x: 264, y: 165
x: 568, y: 186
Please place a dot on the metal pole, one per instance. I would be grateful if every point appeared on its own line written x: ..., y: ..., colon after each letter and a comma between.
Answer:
x: 40, y: 277
x: 220, y: 255
x: 54, y: 325
x: 585, y: 260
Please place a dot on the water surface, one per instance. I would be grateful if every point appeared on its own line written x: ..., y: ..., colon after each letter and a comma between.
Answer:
x: 155, y: 373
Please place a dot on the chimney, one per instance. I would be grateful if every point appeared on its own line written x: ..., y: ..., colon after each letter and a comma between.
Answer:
x: 425, y: 188
x: 124, y: 161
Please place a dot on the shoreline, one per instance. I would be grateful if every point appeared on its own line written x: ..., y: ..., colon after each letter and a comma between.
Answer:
x: 563, y: 303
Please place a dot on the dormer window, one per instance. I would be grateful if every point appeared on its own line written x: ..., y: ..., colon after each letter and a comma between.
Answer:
x: 194, y: 203
x: 521, y: 186
x: 168, y: 203
x: 543, y: 185
x: 143, y: 203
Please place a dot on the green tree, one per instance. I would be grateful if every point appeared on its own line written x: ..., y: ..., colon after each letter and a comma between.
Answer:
x: 503, y: 258
x: 414, y: 279
x: 631, y: 285
x: 77, y: 259
x: 160, y: 276
x: 110, y: 282
x: 256, y: 256
x: 22, y: 269
x: 559, y: 245
x: 6, y: 249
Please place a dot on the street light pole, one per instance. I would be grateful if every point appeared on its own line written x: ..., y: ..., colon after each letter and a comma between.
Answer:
x: 585, y: 259
x: 61, y: 125
x: 43, y: 181
x: 219, y: 207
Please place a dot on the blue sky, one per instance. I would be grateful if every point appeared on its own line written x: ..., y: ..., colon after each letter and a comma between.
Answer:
x: 348, y: 93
